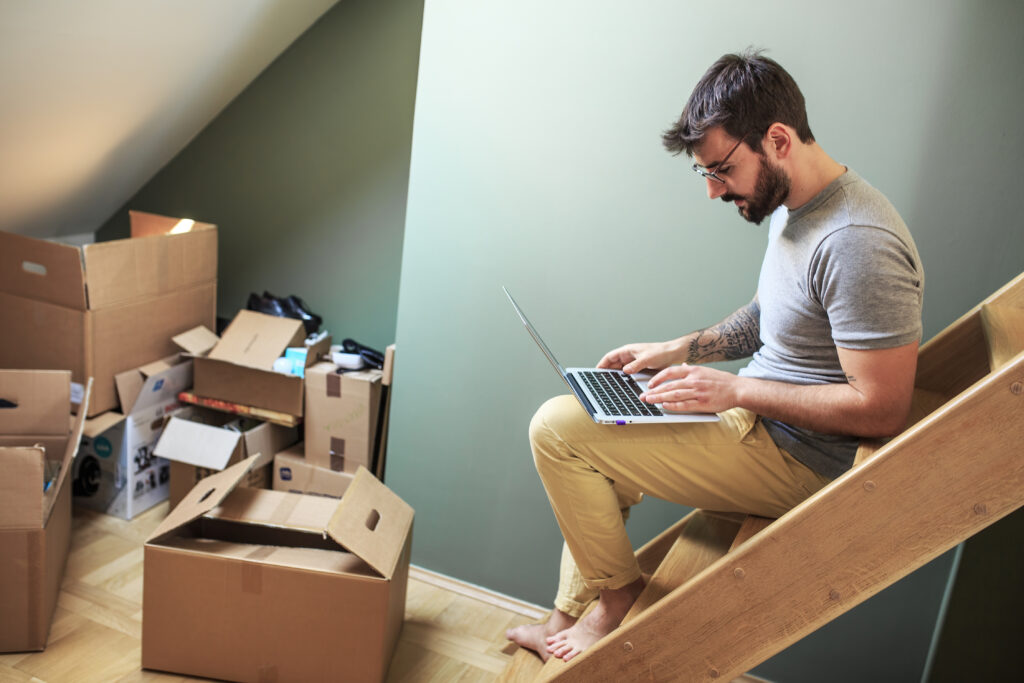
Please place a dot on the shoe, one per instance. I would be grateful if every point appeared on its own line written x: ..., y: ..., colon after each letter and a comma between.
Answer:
x: 266, y: 304
x: 372, y: 357
x: 295, y: 307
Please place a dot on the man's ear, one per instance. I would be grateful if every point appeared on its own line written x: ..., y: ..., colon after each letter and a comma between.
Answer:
x: 778, y: 141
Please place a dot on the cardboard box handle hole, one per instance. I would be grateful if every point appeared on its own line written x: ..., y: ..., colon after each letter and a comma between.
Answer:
x: 372, y: 520
x: 34, y: 268
x: 206, y: 495
x: 4, y: 403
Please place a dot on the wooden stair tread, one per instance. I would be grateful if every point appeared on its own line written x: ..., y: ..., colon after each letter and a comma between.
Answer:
x: 700, y: 543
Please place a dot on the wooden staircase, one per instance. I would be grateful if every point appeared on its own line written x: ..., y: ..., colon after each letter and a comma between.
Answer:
x: 729, y: 591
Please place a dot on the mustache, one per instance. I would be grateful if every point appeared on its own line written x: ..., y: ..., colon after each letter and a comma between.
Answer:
x: 729, y: 197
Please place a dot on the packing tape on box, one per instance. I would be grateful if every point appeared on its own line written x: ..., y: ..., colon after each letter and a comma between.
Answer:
x: 284, y: 509
x: 260, y: 553
x: 333, y: 385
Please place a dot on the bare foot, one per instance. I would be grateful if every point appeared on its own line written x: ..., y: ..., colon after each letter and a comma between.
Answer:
x: 534, y: 636
x: 606, y: 616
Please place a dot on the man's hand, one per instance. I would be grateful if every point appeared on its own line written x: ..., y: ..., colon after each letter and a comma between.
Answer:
x: 693, y: 388
x: 633, y: 358
x: 873, y: 402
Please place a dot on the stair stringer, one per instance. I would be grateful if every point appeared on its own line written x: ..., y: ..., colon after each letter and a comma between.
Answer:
x: 944, y: 479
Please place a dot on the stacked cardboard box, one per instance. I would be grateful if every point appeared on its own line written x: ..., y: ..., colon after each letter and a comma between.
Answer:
x: 105, y: 308
x: 344, y: 429
x: 292, y: 472
x: 37, y: 449
x: 239, y: 369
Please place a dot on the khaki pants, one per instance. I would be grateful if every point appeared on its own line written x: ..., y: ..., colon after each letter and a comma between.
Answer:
x: 592, y: 473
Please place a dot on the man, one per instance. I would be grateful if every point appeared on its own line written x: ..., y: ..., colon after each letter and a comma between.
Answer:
x: 832, y: 333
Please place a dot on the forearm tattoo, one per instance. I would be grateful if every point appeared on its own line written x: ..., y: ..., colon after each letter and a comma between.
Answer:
x: 738, y: 336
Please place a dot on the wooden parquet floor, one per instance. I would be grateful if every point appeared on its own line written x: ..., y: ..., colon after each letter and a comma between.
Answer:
x: 97, y: 628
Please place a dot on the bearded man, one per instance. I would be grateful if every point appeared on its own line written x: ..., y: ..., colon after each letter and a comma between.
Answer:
x: 832, y: 334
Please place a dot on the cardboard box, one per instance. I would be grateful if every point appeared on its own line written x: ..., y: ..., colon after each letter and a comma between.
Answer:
x: 341, y: 416
x: 116, y: 470
x: 256, y: 585
x: 105, y: 308
x: 292, y: 472
x: 199, y: 442
x: 240, y: 368
x: 36, y: 451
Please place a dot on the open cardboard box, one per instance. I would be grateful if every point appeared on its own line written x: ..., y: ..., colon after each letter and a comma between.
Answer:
x: 37, y: 448
x: 256, y: 585
x: 198, y: 442
x: 108, y: 307
x: 117, y: 471
x: 292, y: 472
x: 239, y: 368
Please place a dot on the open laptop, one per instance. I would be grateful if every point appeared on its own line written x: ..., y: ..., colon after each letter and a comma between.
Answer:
x: 610, y: 396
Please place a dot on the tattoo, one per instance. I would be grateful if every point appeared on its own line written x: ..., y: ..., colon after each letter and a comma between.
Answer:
x: 851, y: 379
x: 738, y: 336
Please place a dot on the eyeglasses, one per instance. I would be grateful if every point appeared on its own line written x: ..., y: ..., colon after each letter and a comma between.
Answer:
x: 714, y: 174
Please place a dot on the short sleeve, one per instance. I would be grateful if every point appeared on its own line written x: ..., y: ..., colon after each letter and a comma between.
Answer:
x: 871, y: 286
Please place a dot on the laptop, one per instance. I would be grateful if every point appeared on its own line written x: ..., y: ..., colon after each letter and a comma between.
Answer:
x: 609, y: 396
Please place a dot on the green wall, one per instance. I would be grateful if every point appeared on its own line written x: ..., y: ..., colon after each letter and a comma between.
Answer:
x: 536, y: 151
x: 306, y: 172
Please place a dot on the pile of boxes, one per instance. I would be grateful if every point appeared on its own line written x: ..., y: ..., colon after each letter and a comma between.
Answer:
x: 277, y: 514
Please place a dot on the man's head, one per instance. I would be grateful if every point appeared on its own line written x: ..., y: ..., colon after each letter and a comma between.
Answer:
x: 744, y: 94
x: 741, y: 103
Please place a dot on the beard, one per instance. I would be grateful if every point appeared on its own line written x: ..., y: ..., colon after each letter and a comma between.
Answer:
x: 770, y: 191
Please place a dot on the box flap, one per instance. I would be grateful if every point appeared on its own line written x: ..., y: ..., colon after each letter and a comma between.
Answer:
x: 256, y: 340
x: 197, y: 444
x: 153, y: 384
x: 208, y: 494
x: 71, y: 450
x: 163, y: 387
x: 389, y: 365
x: 134, y: 270
x: 145, y: 224
x: 158, y: 366
x: 35, y: 402
x: 196, y: 342
x: 21, y: 487
x: 41, y: 270
x: 101, y: 423
x: 372, y: 522
x: 129, y: 385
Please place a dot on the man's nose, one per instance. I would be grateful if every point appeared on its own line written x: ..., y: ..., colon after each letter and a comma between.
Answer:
x: 715, y: 188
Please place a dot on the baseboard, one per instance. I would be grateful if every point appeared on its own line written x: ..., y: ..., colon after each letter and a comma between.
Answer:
x: 475, y: 592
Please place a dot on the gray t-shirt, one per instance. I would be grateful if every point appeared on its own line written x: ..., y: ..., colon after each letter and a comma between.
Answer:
x: 842, y: 270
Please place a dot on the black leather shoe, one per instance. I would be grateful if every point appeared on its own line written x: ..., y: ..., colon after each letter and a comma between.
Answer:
x: 372, y: 357
x: 266, y: 304
x: 294, y: 307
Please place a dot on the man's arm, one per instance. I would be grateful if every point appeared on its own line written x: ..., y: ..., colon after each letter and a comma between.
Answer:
x: 737, y: 336
x: 873, y: 402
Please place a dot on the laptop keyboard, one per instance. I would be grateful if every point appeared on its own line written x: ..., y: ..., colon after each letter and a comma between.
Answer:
x: 617, y: 394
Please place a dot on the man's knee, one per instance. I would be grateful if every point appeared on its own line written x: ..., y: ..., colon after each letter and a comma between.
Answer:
x: 552, y: 419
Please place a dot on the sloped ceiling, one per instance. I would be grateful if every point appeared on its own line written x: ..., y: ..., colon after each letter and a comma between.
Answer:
x: 95, y: 97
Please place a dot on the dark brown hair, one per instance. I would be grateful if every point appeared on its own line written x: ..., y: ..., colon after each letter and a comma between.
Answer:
x: 745, y: 94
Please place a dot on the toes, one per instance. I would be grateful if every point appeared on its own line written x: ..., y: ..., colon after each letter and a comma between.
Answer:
x: 570, y: 654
